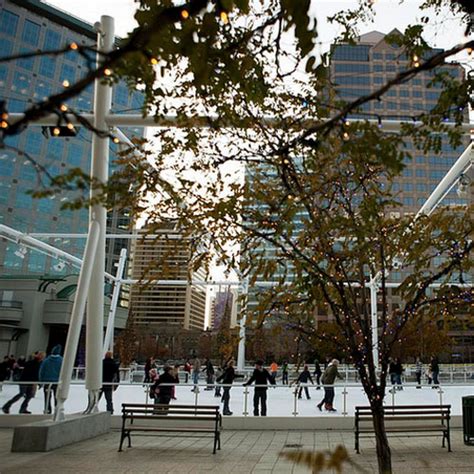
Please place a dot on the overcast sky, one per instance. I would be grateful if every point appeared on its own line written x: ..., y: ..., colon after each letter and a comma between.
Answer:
x: 390, y: 14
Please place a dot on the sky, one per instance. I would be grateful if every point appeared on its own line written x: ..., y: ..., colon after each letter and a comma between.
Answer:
x: 443, y: 32
x: 389, y: 14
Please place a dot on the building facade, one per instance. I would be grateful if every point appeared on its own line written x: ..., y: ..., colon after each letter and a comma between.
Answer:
x: 359, y: 69
x: 165, y: 256
x: 25, y: 26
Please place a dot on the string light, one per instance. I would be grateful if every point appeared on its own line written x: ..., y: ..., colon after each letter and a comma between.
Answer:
x: 154, y: 61
x: 345, y: 136
x: 56, y: 131
x: 224, y: 18
x: 184, y: 14
x: 4, y: 124
x: 63, y: 108
x: 70, y: 126
x: 107, y: 72
x: 66, y: 83
x: 116, y: 140
x: 5, y: 116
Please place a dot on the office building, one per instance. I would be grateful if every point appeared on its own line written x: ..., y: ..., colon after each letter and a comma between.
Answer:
x: 25, y: 26
x: 165, y: 255
x: 356, y: 70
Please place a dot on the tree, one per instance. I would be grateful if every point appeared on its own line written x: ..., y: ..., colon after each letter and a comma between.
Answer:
x: 314, y: 200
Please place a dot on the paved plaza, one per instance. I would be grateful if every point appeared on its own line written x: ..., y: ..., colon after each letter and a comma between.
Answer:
x: 242, y: 452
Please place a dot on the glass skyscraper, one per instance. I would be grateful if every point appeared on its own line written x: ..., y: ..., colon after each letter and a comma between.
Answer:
x: 29, y: 25
x: 359, y: 69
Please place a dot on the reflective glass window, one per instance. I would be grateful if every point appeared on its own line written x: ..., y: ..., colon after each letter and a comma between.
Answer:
x: 47, y: 67
x: 351, y: 53
x: 33, y: 143
x: 52, y: 40
x: 31, y: 32
x: 8, y: 22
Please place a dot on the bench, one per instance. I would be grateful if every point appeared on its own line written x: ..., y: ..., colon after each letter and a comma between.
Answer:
x: 188, y: 419
x: 418, y: 420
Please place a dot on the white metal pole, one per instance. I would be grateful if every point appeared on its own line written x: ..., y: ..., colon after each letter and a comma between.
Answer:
x: 109, y: 333
x: 374, y: 321
x: 99, y: 171
x: 43, y: 247
x: 75, y: 324
x: 243, y: 317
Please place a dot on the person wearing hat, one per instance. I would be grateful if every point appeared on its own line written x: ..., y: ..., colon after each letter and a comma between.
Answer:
x: 328, y: 380
x: 49, y: 375
x: 260, y: 376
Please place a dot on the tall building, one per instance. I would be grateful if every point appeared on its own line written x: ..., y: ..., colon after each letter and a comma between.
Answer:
x: 221, y: 302
x: 179, y: 304
x: 357, y: 70
x: 25, y: 26
x: 360, y: 69
x: 37, y: 290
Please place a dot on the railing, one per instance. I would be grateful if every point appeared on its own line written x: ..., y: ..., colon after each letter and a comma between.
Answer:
x: 282, y: 400
x: 449, y: 373
x: 11, y: 304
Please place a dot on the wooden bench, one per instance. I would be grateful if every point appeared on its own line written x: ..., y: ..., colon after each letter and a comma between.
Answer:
x: 421, y: 420
x: 188, y: 419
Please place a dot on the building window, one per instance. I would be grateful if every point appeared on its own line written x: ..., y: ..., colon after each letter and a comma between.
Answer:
x: 33, y: 143
x: 407, y: 187
x: 47, y: 67
x: 21, y: 83
x: 408, y: 201
x: 68, y: 73
x: 351, y: 53
x: 52, y: 40
x: 31, y: 33
x: 74, y: 155
x: 352, y: 67
x: 420, y: 173
x: 8, y: 22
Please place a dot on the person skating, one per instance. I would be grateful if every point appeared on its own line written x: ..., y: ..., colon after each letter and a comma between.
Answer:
x: 302, y: 381
x: 164, y: 386
x: 418, y: 371
x: 195, y: 373
x: 434, y: 366
x: 227, y: 378
x: 209, y: 369
x: 49, y: 375
x: 284, y: 373
x: 27, y: 391
x: 110, y: 374
x: 317, y: 373
x: 329, y: 376
x: 260, y: 376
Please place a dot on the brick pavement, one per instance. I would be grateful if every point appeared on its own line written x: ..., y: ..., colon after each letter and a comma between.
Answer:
x: 242, y: 452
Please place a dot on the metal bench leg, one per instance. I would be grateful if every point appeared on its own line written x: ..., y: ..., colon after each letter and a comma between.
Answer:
x: 449, y: 441
x: 215, y: 443
x: 129, y: 439
x: 219, y: 441
x: 122, y: 437
x: 444, y: 439
x: 357, y: 443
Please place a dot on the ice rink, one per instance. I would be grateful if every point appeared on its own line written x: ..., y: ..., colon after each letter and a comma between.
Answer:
x: 280, y: 400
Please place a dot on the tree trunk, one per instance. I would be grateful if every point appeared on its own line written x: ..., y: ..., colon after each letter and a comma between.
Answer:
x: 384, y: 455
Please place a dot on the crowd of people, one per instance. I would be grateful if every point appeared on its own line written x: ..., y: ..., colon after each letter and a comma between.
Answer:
x: 40, y: 370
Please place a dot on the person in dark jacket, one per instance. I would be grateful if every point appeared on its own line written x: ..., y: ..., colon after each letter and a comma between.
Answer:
x: 110, y: 375
x: 317, y: 373
x: 227, y: 378
x: 164, y: 385
x: 209, y: 369
x: 434, y: 366
x: 27, y: 391
x: 398, y: 371
x: 4, y: 370
x: 49, y: 375
x: 302, y: 381
x: 328, y: 379
x: 260, y: 376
